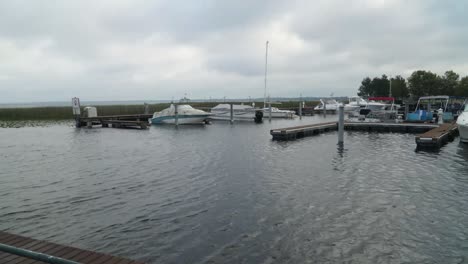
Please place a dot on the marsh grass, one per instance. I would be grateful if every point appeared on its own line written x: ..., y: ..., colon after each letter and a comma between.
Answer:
x: 65, y: 112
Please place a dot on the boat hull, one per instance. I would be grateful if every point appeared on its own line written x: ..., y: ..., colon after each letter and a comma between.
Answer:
x: 463, y: 130
x: 182, y: 119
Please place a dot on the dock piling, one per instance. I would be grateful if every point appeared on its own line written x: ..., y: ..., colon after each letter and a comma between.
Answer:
x: 176, y: 115
x: 324, y: 109
x: 341, y: 124
x: 269, y: 109
x: 232, y: 113
x: 300, y: 110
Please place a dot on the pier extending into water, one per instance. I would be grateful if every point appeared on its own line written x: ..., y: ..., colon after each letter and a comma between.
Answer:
x: 118, y: 121
x: 434, y: 135
x: 437, y: 137
x: 20, y: 249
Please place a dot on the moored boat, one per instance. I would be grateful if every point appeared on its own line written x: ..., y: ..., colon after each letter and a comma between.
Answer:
x: 186, y: 114
x: 240, y: 112
x: 462, y: 122
x: 327, y: 104
x: 278, y: 113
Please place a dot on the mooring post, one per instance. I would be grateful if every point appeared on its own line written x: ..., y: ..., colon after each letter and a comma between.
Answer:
x: 176, y: 115
x: 324, y: 109
x: 300, y: 110
x: 269, y: 109
x: 341, y: 124
x: 76, y: 111
x: 232, y: 113
x: 406, y: 110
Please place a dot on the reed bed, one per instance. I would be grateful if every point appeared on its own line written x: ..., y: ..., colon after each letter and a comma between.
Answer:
x: 65, y: 112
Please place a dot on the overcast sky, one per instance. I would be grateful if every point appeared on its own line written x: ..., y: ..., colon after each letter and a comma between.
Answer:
x: 152, y: 50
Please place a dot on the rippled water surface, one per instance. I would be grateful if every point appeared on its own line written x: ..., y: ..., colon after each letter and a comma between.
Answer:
x: 229, y: 194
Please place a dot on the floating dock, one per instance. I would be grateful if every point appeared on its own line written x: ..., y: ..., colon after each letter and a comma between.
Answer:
x: 118, y: 121
x: 50, y: 252
x: 437, y: 137
x: 291, y: 133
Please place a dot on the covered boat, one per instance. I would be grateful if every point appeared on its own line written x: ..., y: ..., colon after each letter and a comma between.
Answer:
x: 240, y: 112
x: 186, y: 114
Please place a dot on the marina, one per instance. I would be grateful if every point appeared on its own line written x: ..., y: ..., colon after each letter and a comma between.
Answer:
x: 203, y: 203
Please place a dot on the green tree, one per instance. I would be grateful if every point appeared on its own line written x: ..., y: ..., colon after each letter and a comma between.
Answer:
x: 365, y: 88
x: 448, y: 83
x: 462, y: 87
x: 380, y: 86
x: 422, y: 83
x: 399, y: 87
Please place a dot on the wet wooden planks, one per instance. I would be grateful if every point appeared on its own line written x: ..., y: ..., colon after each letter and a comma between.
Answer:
x: 291, y: 133
x: 53, y: 249
x: 438, y: 136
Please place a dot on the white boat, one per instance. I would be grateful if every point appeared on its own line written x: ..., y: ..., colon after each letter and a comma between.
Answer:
x: 278, y: 113
x: 186, y: 115
x: 355, y: 103
x: 462, y: 122
x: 329, y: 104
x: 240, y: 112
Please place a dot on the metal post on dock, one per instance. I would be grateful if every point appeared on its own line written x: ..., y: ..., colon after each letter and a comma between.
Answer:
x: 232, y: 113
x: 300, y: 110
x: 341, y: 124
x: 76, y: 111
x: 324, y: 109
x: 176, y: 112
x: 269, y: 109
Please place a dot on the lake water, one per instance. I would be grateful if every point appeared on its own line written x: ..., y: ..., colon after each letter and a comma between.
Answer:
x: 226, y: 193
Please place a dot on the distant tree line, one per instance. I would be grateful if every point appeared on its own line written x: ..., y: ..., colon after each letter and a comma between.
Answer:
x: 420, y: 83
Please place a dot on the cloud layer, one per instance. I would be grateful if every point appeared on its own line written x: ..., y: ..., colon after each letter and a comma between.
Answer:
x: 130, y: 50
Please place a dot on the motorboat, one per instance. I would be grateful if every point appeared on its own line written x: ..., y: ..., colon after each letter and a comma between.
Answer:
x: 278, y: 113
x: 240, y: 112
x: 327, y: 104
x: 377, y: 109
x: 355, y: 103
x: 462, y: 122
x: 429, y: 108
x: 186, y: 114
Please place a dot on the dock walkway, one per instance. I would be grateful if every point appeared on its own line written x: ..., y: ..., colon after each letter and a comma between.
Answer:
x: 119, y: 121
x: 291, y: 133
x: 437, y: 137
x: 53, y: 249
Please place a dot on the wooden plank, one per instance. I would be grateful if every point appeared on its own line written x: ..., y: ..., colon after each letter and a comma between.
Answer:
x: 53, y: 249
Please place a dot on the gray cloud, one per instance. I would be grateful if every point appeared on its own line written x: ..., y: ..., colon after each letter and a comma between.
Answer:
x: 122, y: 50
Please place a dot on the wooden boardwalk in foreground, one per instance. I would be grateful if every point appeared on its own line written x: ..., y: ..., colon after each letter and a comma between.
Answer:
x: 53, y: 249
x: 437, y: 137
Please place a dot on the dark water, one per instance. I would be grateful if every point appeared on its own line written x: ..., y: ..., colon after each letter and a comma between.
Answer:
x: 228, y: 194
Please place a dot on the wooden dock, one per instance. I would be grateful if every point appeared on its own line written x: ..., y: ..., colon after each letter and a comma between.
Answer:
x: 53, y: 249
x: 117, y: 121
x: 291, y: 133
x: 438, y: 136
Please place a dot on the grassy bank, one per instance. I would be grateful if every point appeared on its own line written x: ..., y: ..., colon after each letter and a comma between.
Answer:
x: 65, y: 112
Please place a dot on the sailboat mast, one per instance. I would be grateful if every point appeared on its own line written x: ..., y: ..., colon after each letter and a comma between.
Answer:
x: 266, y: 64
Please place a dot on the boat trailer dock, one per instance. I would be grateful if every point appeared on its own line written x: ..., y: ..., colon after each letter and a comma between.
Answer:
x: 20, y: 249
x: 434, y: 135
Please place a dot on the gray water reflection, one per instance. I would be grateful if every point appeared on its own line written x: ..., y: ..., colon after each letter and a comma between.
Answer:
x: 229, y: 194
